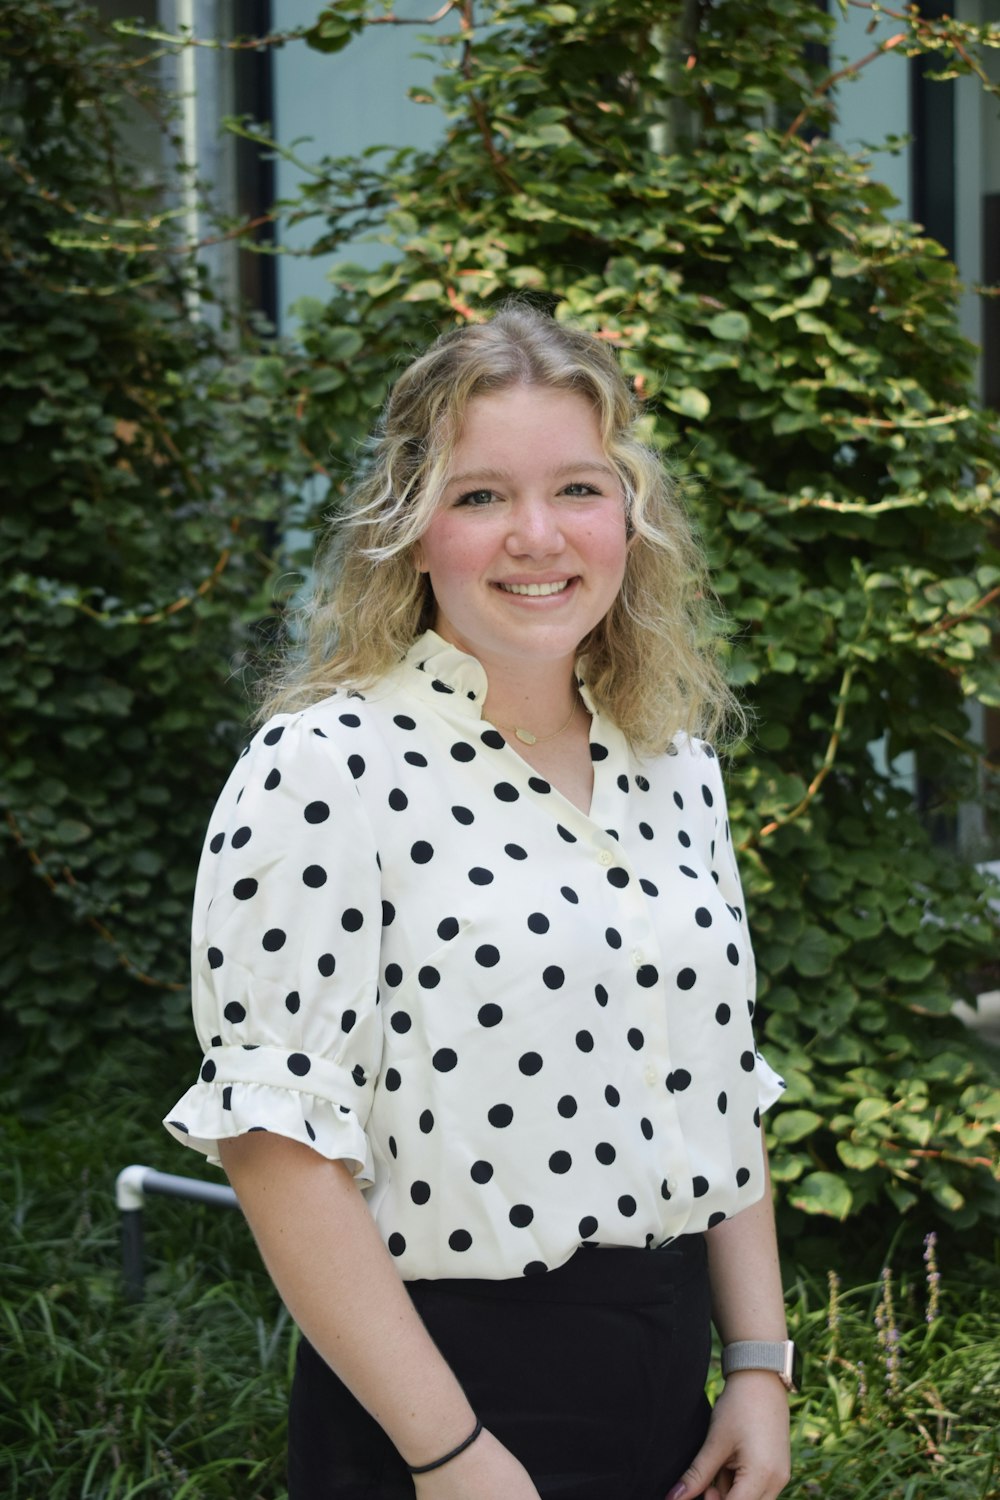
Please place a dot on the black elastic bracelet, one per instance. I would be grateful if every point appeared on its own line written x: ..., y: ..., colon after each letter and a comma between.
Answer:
x: 439, y: 1463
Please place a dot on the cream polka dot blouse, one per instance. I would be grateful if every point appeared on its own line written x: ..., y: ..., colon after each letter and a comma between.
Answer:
x: 526, y: 1028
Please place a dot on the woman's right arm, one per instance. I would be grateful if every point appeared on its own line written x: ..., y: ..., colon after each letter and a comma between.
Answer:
x: 327, y: 1260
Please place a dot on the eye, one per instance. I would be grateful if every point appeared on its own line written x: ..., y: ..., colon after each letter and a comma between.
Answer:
x: 476, y: 498
x: 579, y: 490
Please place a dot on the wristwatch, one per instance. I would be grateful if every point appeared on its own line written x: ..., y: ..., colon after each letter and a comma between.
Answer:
x: 755, y: 1354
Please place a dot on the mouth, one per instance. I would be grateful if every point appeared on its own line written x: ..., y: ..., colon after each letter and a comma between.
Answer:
x: 536, y: 590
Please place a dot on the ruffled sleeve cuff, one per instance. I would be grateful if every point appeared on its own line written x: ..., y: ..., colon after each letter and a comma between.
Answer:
x: 770, y: 1086
x: 307, y: 1099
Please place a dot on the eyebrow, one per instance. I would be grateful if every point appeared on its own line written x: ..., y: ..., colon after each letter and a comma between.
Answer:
x: 584, y: 465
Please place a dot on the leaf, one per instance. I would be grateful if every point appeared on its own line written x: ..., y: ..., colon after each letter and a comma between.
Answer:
x: 815, y: 952
x: 689, y: 402
x: 822, y: 1193
x: 795, y: 1124
x: 730, y: 326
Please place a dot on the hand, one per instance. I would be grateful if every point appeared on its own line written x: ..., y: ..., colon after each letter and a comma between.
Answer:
x: 485, y: 1471
x: 745, y: 1455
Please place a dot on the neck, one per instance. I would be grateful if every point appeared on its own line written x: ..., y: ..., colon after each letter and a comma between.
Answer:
x: 538, y: 699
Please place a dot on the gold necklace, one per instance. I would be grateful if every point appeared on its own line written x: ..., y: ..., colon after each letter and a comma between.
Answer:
x: 527, y: 738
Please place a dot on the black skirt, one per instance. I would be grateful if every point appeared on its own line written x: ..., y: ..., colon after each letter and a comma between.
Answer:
x: 593, y: 1375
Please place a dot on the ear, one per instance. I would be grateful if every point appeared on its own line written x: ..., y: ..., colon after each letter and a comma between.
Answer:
x: 417, y: 558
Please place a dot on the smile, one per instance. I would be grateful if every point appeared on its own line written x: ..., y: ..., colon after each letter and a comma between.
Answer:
x: 535, y: 589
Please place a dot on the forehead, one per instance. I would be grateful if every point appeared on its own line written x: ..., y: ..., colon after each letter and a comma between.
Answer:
x: 530, y: 421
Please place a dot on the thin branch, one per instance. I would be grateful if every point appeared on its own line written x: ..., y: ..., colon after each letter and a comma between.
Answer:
x: 949, y: 620
x: 812, y: 790
x: 92, y: 921
x: 850, y: 71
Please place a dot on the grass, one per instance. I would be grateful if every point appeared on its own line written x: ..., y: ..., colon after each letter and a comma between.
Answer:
x: 182, y: 1397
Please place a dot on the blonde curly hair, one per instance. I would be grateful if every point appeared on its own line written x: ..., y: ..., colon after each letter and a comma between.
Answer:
x: 651, y: 662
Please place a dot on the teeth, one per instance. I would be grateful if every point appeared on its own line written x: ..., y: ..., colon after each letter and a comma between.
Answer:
x: 535, y: 589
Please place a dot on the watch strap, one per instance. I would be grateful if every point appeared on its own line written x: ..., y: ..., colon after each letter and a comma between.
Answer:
x: 761, y: 1354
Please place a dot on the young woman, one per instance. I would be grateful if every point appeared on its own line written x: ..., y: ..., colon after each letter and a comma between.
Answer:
x: 472, y: 975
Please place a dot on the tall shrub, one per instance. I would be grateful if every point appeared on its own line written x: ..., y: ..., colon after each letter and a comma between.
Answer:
x: 137, y: 464
x: 643, y: 168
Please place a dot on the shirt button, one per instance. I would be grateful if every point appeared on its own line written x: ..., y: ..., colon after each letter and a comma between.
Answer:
x: 650, y: 1076
x: 671, y: 1185
x: 637, y: 959
x: 606, y: 857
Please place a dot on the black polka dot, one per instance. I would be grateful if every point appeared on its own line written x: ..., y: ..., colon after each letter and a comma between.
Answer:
x: 647, y: 976
x: 665, y: 1193
x: 240, y: 837
x: 352, y: 920
x: 388, y: 913
x: 707, y: 796
x: 392, y: 1079
x: 587, y: 1227
x: 649, y: 887
x: 396, y: 1244
x: 217, y: 842
x: 401, y: 1022
x: 504, y: 792
x: 447, y: 929
x: 273, y: 780
x: 490, y: 1015
x: 420, y: 1192
x: 356, y: 766
x: 414, y: 758
x: 618, y: 877
x: 537, y: 922
x: 686, y: 870
x: 514, y: 851
x: 492, y: 740
x: 316, y: 812
x: 521, y: 1215
x: 444, y: 1060
x: 292, y: 1002
x: 480, y: 876
x: 326, y: 964
x: 623, y: 782
x: 612, y: 1095
x: 530, y: 1063
x: 598, y: 752
x: 553, y: 977
x: 273, y: 939
x: 487, y: 956
x: 605, y: 1153
x: 403, y: 721
x: 742, y: 1177
x: 299, y: 1064
x: 214, y: 956
x: 635, y: 1038
x: 244, y: 889
x: 567, y: 1106
x: 600, y: 994
x: 462, y: 815
x: 535, y: 1268
x: 733, y: 953
x: 686, y: 979
x: 351, y: 721
x: 560, y: 1161
x: 717, y: 1218
x: 393, y: 1152
x: 699, y: 1186
x: 429, y: 977
x: 564, y: 833
x: 612, y: 937
x: 584, y: 1041
x: 642, y: 783
x: 235, y: 1012
x: 227, y: 1098
x: 703, y: 916
x: 426, y: 1122
x: 207, y: 1070
x: 722, y: 1103
x: 358, y: 1074
x: 645, y: 830
x: 481, y: 1171
x: 463, y: 751
x: 678, y: 799
x: 746, y: 1062
x: 441, y: 687
x: 539, y: 784
x: 570, y: 894
x: 348, y: 1019
x: 398, y: 800
x: 756, y: 1117
x: 422, y: 852
x: 678, y: 1080
x: 274, y: 735
x: 626, y: 1205
x: 646, y: 1126
x: 314, y: 876
x: 500, y: 1116
x: 393, y: 975
x: 722, y: 1014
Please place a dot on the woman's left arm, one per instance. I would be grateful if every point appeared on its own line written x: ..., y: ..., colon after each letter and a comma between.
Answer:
x: 745, y: 1455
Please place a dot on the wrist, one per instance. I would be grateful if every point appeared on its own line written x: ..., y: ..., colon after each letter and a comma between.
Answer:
x: 773, y: 1357
x: 449, y: 1454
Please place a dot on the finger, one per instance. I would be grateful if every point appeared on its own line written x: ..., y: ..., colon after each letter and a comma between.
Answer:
x: 699, y: 1478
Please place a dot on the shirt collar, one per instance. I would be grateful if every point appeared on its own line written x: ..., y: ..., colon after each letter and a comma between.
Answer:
x: 436, y: 669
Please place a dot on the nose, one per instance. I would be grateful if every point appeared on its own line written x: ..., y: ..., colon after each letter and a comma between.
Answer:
x: 534, y: 530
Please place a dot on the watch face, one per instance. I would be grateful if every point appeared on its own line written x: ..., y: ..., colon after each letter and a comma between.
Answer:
x: 796, y: 1371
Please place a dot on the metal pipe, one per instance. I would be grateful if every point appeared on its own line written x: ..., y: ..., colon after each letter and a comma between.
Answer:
x: 131, y: 1187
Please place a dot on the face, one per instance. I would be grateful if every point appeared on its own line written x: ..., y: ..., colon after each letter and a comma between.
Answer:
x: 526, y: 551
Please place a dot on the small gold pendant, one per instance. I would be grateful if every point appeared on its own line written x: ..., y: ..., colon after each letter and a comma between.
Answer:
x: 526, y: 737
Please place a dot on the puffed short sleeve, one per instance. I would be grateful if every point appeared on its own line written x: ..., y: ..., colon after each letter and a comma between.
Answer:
x: 285, y: 954
x: 769, y: 1086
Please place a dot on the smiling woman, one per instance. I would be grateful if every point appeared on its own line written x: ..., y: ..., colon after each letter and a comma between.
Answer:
x: 473, y: 979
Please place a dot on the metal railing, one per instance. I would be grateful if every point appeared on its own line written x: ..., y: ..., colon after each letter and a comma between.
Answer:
x: 132, y: 1186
